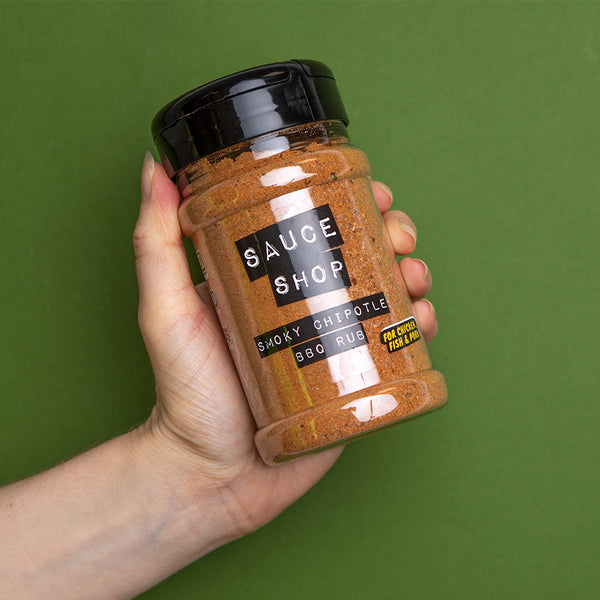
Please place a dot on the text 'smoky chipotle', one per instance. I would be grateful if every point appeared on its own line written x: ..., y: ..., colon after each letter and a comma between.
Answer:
x: 311, y: 301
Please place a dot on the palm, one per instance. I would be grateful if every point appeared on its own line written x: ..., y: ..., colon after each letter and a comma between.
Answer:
x: 199, y: 394
x: 200, y: 400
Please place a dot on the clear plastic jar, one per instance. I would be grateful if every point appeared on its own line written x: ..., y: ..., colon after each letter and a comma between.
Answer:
x: 313, y: 307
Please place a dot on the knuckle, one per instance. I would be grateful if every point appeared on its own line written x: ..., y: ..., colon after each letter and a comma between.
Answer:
x: 141, y: 239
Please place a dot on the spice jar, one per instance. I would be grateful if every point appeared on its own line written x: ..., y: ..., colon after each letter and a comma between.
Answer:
x: 313, y: 308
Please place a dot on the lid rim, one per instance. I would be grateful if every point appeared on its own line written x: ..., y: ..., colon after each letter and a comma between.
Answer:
x: 195, y: 125
x: 195, y: 110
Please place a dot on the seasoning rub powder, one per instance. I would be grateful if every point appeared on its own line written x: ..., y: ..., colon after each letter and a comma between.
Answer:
x: 308, y: 292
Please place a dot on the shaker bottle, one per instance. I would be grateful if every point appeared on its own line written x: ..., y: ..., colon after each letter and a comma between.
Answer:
x: 309, y: 295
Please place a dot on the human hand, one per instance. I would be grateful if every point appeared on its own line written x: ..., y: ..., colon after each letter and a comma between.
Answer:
x: 132, y: 511
x: 200, y: 435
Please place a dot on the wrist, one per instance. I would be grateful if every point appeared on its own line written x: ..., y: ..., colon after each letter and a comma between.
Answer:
x: 188, y: 497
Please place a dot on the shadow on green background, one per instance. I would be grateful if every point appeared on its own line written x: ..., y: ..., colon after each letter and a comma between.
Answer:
x: 484, y: 119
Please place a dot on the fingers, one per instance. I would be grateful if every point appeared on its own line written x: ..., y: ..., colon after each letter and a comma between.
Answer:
x: 418, y: 281
x: 401, y: 234
x: 162, y: 268
x: 382, y: 194
x: 426, y: 319
x: 401, y: 231
x: 416, y: 276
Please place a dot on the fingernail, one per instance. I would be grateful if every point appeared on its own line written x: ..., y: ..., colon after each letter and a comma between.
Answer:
x: 147, y: 174
x: 431, y: 307
x: 408, y: 228
x: 385, y: 188
x: 425, y: 267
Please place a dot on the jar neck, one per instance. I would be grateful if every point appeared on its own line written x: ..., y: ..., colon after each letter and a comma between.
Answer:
x: 216, y: 167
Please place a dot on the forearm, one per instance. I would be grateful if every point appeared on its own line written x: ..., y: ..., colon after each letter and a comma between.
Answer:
x: 107, y: 524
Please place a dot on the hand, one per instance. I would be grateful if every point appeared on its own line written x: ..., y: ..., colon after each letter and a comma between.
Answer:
x: 126, y: 514
x: 201, y: 429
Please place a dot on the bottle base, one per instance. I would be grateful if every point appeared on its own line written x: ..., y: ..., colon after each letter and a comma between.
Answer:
x: 350, y: 417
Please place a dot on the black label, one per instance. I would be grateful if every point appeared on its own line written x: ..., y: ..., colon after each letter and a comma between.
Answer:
x: 330, y: 344
x: 400, y: 335
x: 320, y: 323
x: 300, y: 255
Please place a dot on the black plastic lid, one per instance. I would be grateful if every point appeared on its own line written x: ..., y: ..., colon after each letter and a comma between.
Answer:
x: 245, y: 105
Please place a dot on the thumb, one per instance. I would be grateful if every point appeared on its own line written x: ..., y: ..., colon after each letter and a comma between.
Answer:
x: 166, y: 287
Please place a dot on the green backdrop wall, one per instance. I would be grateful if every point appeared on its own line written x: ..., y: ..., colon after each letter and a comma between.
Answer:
x: 485, y: 120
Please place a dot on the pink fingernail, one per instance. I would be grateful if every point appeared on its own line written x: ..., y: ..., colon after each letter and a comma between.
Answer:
x: 431, y: 307
x: 409, y: 228
x: 425, y: 267
x: 385, y: 188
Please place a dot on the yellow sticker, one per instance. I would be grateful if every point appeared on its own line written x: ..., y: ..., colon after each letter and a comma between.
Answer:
x: 400, y: 335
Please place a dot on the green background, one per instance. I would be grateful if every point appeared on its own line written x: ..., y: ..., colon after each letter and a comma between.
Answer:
x: 485, y: 120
